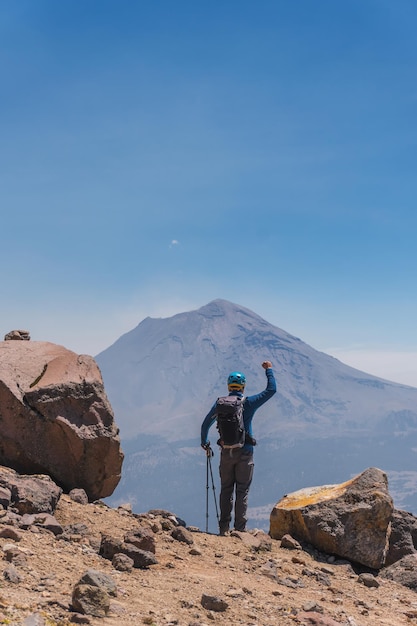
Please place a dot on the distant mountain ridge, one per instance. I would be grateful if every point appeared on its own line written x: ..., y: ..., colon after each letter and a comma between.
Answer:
x: 163, y: 376
x: 327, y: 420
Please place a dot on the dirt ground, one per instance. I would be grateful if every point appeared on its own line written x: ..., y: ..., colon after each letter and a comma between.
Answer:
x: 260, y: 588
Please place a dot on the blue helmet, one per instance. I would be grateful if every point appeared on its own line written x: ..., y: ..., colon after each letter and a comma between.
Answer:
x: 236, y: 380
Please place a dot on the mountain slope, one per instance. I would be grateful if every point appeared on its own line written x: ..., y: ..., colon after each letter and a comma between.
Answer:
x: 279, y: 586
x: 326, y: 422
x: 163, y: 376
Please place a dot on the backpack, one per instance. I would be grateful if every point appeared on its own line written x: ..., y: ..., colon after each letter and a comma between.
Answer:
x: 229, y: 414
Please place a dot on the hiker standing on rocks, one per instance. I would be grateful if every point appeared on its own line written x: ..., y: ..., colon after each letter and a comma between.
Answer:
x: 234, y: 414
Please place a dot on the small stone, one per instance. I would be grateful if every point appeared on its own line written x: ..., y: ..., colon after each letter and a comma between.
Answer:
x: 143, y: 538
x: 298, y: 560
x: 79, y: 496
x: 122, y: 562
x: 182, y: 534
x: 166, y: 524
x: 99, y: 579
x: 12, y: 575
x: 8, y: 532
x: 15, y: 556
x: 290, y: 543
x: 269, y: 570
x: 368, y: 580
x: 213, y: 603
x: 78, y: 618
x: 90, y: 600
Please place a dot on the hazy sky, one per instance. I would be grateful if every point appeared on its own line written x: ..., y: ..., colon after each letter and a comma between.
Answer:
x: 157, y: 155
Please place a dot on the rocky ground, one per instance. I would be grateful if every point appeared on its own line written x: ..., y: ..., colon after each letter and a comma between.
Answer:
x: 215, y: 580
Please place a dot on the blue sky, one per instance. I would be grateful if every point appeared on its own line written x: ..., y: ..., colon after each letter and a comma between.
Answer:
x: 157, y: 155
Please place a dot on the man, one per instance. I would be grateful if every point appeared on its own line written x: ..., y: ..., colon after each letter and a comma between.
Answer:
x: 236, y: 464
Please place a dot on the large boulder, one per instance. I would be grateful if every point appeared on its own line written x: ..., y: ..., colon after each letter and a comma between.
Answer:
x: 351, y: 520
x: 55, y: 417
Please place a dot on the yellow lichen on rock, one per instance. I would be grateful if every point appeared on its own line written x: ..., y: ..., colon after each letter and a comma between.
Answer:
x: 312, y: 495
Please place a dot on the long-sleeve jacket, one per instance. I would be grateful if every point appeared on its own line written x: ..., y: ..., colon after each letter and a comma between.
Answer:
x: 251, y: 405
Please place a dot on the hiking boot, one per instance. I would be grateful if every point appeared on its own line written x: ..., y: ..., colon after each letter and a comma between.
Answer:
x: 224, y: 531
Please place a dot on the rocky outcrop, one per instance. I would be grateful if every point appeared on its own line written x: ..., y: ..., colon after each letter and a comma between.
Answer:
x: 55, y: 418
x: 142, y: 558
x: 58, y: 574
x: 351, y: 520
x: 403, y: 572
x: 19, y: 335
x: 403, y: 538
x: 28, y: 494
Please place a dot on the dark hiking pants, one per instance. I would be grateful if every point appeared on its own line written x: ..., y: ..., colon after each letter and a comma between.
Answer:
x: 236, y: 471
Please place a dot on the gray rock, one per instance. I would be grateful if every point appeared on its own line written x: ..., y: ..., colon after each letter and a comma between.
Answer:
x: 181, y: 534
x: 19, y: 335
x: 110, y: 546
x: 74, y: 532
x: 78, y: 495
x: 350, y: 520
x: 269, y: 569
x: 11, y: 574
x: 403, y: 538
x: 99, y: 579
x: 312, y: 606
x: 90, y: 600
x: 213, y: 603
x: 368, y: 580
x: 15, y: 555
x: 141, y: 558
x: 122, y: 562
x: 403, y: 572
x: 42, y: 520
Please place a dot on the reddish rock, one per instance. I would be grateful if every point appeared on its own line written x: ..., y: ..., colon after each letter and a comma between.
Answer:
x: 55, y: 417
x: 30, y: 494
x: 142, y: 538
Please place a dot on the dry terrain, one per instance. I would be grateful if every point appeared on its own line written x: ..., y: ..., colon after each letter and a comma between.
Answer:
x: 262, y: 588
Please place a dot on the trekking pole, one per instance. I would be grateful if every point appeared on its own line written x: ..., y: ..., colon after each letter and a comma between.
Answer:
x: 211, y: 453
x: 207, y: 489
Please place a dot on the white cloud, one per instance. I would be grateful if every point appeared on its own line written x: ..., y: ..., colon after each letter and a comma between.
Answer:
x: 174, y: 242
x: 399, y: 366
